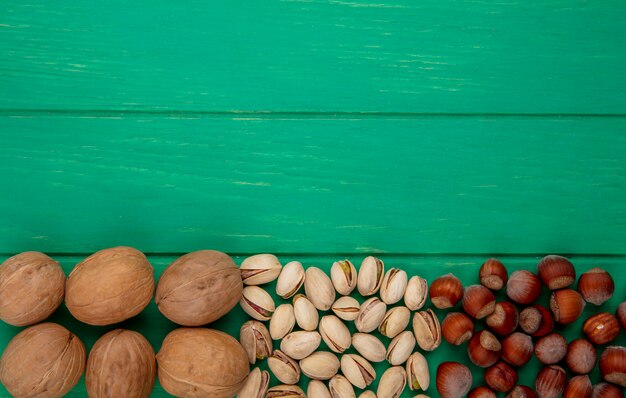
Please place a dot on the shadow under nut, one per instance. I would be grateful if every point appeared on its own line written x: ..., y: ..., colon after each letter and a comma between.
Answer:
x: 110, y: 286
x: 199, y: 288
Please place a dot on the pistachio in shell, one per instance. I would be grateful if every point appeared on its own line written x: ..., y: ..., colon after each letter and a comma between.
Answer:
x: 120, y: 364
x: 32, y: 286
x: 45, y: 360
x: 110, y: 286
x: 201, y: 362
x: 199, y: 288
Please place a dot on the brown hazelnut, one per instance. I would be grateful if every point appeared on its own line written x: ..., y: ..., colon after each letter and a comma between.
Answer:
x: 607, y: 390
x: 32, y: 286
x: 446, y: 291
x: 493, y: 274
x: 110, y: 286
x: 45, y: 360
x: 578, y: 387
x: 199, y: 288
x: 601, y: 328
x: 566, y: 305
x: 621, y: 314
x: 523, y: 287
x: 613, y: 365
x: 478, y: 301
x: 581, y: 356
x: 521, y: 392
x: 504, y: 319
x: 203, y: 362
x: 556, y: 272
x: 596, y: 286
x: 484, y: 349
x: 551, y: 348
x: 501, y: 377
x: 536, y: 320
x: 481, y: 392
x: 517, y: 349
x: 121, y: 364
x: 457, y: 328
x: 550, y: 382
x: 454, y: 380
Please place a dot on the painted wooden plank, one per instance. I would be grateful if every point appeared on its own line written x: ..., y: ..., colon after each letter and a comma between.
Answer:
x: 544, y: 56
x: 155, y: 327
x: 425, y: 185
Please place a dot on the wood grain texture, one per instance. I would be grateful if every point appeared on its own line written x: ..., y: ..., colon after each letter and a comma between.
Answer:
x: 426, y: 185
x: 433, y: 56
x: 155, y: 326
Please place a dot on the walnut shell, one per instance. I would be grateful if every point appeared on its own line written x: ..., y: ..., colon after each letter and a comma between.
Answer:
x: 110, y: 286
x: 45, y: 360
x: 121, y: 364
x: 32, y: 286
x: 199, y: 288
x: 200, y: 362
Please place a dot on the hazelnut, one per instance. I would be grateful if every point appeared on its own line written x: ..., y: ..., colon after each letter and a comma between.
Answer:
x: 523, y: 287
x: 478, y: 301
x: 607, y: 390
x: 32, y: 286
x: 517, y: 349
x: 551, y: 348
x: 457, y: 328
x: 45, y: 360
x: 110, y: 286
x: 446, y: 291
x: 601, y: 328
x: 504, y: 319
x: 581, y: 356
x: 578, y: 387
x: 621, y: 314
x: 521, y: 392
x: 484, y: 349
x: 536, y: 320
x: 550, y: 382
x: 556, y: 272
x: 501, y: 377
x: 454, y: 380
x: 613, y: 365
x: 121, y: 364
x: 566, y: 305
x: 493, y: 274
x: 481, y: 392
x: 596, y: 286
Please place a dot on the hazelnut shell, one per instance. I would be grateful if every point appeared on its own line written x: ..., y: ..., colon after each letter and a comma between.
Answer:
x: 523, y: 287
x: 601, y: 328
x: 566, y: 305
x: 556, y: 272
x: 493, y: 274
x: 596, y: 286
x: 446, y: 291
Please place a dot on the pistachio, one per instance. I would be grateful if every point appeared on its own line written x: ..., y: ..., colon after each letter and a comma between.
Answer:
x: 321, y: 365
x: 370, y: 276
x: 392, y: 383
x: 260, y: 269
x: 343, y: 275
x: 317, y: 389
x: 416, y: 293
x: 393, y: 286
x: 284, y: 368
x: 370, y: 315
x: 256, y: 341
x: 427, y: 330
x: 340, y: 387
x: 357, y: 370
x: 256, y: 384
x: 346, y: 308
x: 395, y: 321
x: 305, y: 313
x: 367, y: 394
x: 369, y: 347
x: 319, y: 288
x: 282, y: 322
x: 417, y: 372
x: 335, y: 334
x: 290, y: 280
x: 257, y: 303
x: 285, y: 391
x: 400, y: 348
x: 300, y: 344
